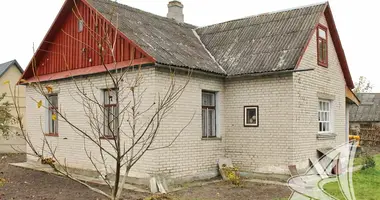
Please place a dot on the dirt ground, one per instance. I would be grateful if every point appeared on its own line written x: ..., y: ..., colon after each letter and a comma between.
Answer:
x: 28, y: 184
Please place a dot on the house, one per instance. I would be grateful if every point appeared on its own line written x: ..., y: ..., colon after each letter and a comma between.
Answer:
x: 10, y: 72
x: 367, y: 115
x: 268, y: 91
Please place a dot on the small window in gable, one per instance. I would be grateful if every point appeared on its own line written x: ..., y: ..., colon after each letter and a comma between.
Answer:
x: 80, y: 25
x: 322, y: 46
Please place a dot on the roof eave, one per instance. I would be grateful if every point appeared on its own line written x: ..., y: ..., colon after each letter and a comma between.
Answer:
x: 338, y: 47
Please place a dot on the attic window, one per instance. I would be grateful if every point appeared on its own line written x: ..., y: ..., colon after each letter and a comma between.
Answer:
x: 322, y: 46
x: 80, y: 25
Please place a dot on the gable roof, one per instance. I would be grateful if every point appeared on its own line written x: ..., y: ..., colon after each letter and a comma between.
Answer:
x: 263, y: 43
x: 5, y: 66
x: 368, y: 110
x: 258, y: 44
x: 167, y: 41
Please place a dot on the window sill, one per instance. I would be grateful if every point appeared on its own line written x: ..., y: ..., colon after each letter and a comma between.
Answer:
x: 211, y: 138
x: 323, y: 64
x: 326, y: 136
x: 52, y: 135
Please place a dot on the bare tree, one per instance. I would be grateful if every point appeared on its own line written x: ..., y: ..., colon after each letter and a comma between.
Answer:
x: 363, y: 85
x: 122, y: 126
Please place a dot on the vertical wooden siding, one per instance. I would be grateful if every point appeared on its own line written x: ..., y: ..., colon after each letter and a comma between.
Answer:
x: 70, y: 49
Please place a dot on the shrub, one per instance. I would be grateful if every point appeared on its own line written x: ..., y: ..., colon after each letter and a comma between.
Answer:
x: 232, y: 175
x: 368, y: 162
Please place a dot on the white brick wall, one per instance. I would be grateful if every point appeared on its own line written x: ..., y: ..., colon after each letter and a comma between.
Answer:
x: 190, y: 155
x: 309, y: 86
x: 70, y: 144
x: 288, y: 123
x: 266, y: 148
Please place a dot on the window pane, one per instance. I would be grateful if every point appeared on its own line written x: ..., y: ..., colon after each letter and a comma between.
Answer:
x: 322, y: 33
x: 320, y: 50
x: 211, y: 122
x: 208, y: 99
x: 53, y: 100
x: 204, y: 123
x: 109, y: 97
x: 320, y: 126
x: 109, y: 123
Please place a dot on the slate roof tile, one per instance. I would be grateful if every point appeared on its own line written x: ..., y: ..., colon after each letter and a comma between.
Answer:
x: 256, y: 44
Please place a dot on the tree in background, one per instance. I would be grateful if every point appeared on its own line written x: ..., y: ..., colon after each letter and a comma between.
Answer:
x: 363, y: 85
x: 5, y: 116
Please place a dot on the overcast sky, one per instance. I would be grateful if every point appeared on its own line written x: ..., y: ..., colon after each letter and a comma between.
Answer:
x: 24, y: 22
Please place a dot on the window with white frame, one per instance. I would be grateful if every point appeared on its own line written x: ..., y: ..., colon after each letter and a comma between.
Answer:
x: 111, y: 110
x: 52, y: 116
x: 208, y: 114
x: 324, y: 116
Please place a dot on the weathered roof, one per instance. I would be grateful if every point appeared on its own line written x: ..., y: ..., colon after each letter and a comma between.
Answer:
x: 368, y: 110
x: 263, y: 43
x: 253, y: 45
x: 5, y: 66
x: 164, y: 39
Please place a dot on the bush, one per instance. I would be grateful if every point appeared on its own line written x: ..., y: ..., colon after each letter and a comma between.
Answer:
x: 232, y: 174
x: 368, y: 162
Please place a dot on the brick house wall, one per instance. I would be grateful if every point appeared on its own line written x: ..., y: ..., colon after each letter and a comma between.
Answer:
x: 321, y: 83
x: 266, y: 148
x: 189, y: 156
x: 288, y: 122
x: 70, y: 145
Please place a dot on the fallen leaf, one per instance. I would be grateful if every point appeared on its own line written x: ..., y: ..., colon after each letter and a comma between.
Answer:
x: 6, y: 82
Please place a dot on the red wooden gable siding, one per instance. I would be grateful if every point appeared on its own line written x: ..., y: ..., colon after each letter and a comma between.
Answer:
x: 66, y: 49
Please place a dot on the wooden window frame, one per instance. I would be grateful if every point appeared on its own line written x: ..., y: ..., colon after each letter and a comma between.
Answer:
x: 329, y: 114
x: 51, y: 110
x: 323, y: 63
x: 207, y: 135
x: 245, y: 116
x: 107, y: 106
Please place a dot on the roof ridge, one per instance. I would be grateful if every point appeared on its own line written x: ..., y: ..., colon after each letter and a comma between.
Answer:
x: 267, y: 13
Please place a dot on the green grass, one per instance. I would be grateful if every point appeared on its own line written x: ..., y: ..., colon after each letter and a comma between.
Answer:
x: 366, y: 183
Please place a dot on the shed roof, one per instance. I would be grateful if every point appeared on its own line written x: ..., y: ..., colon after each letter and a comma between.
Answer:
x: 5, y: 66
x: 368, y: 110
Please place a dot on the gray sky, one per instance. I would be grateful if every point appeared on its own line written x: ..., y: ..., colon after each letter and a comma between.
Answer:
x: 24, y: 22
